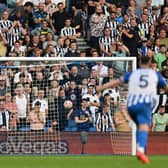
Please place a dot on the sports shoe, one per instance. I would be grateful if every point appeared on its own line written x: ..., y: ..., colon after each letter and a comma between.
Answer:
x: 143, y: 158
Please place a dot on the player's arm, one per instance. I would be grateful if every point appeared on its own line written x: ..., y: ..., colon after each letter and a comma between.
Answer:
x: 111, y: 84
x: 162, y: 82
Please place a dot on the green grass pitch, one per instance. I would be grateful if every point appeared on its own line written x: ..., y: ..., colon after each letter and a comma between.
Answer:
x: 85, y: 161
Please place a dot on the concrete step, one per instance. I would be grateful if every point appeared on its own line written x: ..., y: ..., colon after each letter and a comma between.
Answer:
x: 81, y: 43
x: 80, y: 48
x: 80, y: 39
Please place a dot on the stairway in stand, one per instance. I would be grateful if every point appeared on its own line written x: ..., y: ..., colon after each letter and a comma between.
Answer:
x: 82, y: 44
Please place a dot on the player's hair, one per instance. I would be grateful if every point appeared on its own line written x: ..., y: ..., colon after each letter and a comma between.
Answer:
x: 144, y: 60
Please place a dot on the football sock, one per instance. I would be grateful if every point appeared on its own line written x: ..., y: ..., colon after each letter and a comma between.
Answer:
x: 142, y: 137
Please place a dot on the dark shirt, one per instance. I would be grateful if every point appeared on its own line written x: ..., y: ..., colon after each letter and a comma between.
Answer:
x: 75, y: 96
x: 59, y: 20
x: 132, y: 43
x: 81, y: 114
x: 76, y: 78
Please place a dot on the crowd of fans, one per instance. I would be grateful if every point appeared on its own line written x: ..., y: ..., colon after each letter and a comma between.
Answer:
x: 32, y: 96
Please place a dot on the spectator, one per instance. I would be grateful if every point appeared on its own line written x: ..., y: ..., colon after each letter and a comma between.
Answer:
x: 39, y: 82
x: 162, y: 24
x: 12, y: 108
x: 93, y: 101
x: 73, y: 93
x: 71, y: 125
x: 37, y: 118
x: 60, y: 50
x: 105, y: 43
x: 53, y: 93
x: 50, y: 7
x: 74, y: 76
x: 68, y: 31
x: 110, y: 76
x: 160, y: 120
x: 126, y: 21
x: 119, y: 18
x: 152, y: 35
x: 29, y: 95
x: 163, y: 37
x: 40, y: 15
x: 97, y: 23
x: 58, y: 18
x: 28, y: 13
x: 42, y: 30
x: 4, y: 115
x: 18, y: 15
x: 102, y: 71
x: 112, y: 25
x: 67, y: 43
x: 84, y: 86
x: 56, y: 73
x: 156, y: 45
x: 3, y: 85
x: 165, y: 63
x: 83, y: 117
x: 160, y: 100
x: 83, y: 70
x: 42, y: 100
x: 134, y: 6
x: 50, y: 51
x: 122, y: 119
x: 104, y: 121
x: 72, y: 52
x: 15, y: 32
x: 5, y: 25
x: 154, y: 15
x: 3, y: 45
x: 160, y: 57
x: 21, y: 102
x: 130, y: 38
x: 23, y: 75
x: 62, y: 112
x: 35, y: 43
x: 49, y: 40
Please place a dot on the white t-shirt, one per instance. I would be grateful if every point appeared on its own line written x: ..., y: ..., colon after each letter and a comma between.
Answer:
x: 21, y: 105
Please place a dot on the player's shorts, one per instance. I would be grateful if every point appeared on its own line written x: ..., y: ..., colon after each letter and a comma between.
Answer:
x: 141, y: 113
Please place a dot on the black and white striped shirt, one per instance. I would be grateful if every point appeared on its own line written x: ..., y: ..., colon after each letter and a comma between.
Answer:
x: 5, y: 24
x: 68, y: 31
x: 106, y: 42
x: 112, y: 25
x: 153, y: 19
x: 4, y: 119
x: 144, y: 27
x: 14, y: 36
x: 104, y: 121
x: 60, y: 51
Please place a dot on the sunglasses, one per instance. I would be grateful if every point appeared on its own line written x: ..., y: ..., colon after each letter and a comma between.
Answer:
x: 2, y: 99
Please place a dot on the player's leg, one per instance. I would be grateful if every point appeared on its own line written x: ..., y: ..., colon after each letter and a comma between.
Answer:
x: 140, y: 113
x: 142, y: 138
x: 144, y: 121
